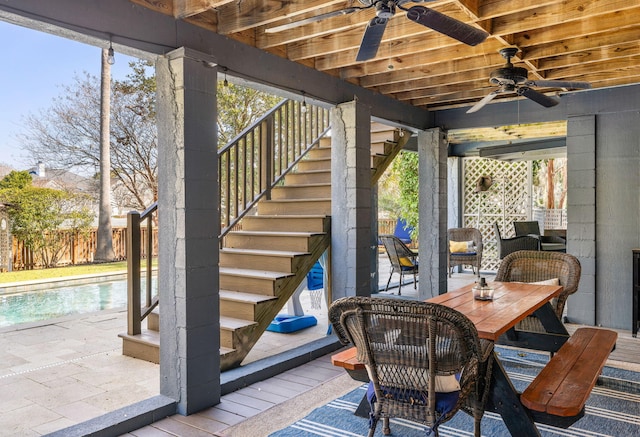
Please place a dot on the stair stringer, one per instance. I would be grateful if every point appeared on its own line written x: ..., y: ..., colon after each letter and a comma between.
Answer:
x: 286, y: 286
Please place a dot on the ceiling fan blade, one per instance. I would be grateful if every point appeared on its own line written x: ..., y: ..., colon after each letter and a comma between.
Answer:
x: 537, y: 97
x: 486, y: 99
x: 446, y: 25
x: 310, y: 20
x: 558, y: 84
x: 372, y: 38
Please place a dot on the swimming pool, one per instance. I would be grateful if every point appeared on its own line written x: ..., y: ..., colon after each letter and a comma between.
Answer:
x: 35, y: 306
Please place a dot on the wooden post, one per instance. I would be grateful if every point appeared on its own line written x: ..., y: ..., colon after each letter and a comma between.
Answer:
x: 133, y: 273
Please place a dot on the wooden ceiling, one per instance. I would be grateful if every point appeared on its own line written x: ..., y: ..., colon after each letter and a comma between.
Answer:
x: 597, y: 41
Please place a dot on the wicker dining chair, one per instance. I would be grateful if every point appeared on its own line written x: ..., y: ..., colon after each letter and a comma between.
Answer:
x: 510, y: 245
x: 403, y: 260
x: 547, y: 242
x: 536, y: 266
x: 472, y: 256
x: 425, y: 360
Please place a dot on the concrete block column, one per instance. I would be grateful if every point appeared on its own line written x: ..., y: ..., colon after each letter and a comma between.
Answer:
x: 351, y: 200
x: 432, y: 193
x: 581, y: 214
x: 189, y: 221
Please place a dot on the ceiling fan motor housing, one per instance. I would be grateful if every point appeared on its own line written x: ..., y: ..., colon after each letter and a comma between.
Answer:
x: 515, y: 74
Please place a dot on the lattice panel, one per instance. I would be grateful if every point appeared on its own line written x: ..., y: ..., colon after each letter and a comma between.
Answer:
x: 507, y: 200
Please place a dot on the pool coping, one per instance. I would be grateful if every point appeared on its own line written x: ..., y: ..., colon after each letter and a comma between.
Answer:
x: 64, y: 281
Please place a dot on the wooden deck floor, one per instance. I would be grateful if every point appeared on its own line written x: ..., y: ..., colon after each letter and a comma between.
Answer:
x: 235, y: 408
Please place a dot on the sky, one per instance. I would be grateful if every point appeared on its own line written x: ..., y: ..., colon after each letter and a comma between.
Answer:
x: 35, y: 66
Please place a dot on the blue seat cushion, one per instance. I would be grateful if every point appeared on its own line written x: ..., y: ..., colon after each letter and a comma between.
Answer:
x: 445, y: 402
x: 463, y: 254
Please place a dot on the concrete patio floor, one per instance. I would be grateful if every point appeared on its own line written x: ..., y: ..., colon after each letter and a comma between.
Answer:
x: 62, y: 372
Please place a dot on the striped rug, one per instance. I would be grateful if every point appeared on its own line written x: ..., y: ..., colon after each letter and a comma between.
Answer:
x: 612, y: 410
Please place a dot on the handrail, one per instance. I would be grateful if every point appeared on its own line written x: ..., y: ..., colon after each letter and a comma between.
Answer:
x: 249, y: 166
x: 135, y: 312
x: 257, y: 159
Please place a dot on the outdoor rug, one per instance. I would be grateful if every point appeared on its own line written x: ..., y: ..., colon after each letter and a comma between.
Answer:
x: 612, y: 410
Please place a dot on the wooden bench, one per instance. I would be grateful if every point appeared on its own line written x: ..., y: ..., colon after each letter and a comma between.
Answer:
x: 347, y: 360
x: 565, y: 383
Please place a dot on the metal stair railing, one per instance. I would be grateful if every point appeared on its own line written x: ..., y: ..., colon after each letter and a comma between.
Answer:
x: 249, y: 166
x: 140, y: 245
x: 260, y: 156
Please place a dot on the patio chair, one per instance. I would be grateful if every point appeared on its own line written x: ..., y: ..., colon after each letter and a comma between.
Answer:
x: 510, y: 245
x: 532, y: 228
x: 537, y: 266
x: 403, y: 260
x: 425, y: 360
x: 464, y: 248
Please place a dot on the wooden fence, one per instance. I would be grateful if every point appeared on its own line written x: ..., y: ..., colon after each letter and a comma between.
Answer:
x: 78, y: 249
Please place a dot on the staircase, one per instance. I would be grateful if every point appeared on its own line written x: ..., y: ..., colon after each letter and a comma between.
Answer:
x: 265, y: 258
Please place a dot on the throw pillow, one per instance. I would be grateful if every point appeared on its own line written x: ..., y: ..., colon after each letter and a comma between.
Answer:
x: 461, y: 246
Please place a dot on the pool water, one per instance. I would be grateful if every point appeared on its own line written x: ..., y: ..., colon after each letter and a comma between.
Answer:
x: 34, y: 306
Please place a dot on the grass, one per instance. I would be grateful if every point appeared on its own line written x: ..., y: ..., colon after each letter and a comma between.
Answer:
x: 58, y: 272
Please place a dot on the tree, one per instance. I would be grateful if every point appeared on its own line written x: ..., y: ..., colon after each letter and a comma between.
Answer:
x: 67, y: 134
x: 238, y: 108
x: 404, y: 170
x: 37, y: 214
x: 104, y: 243
x: 16, y: 180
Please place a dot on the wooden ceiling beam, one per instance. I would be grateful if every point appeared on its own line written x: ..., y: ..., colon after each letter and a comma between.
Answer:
x: 582, y: 43
x: 574, y: 29
x: 398, y: 29
x: 586, y: 57
x: 189, y: 8
x: 245, y: 14
x: 562, y: 13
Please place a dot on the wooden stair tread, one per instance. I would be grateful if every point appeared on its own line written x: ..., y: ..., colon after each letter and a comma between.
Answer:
x: 239, y: 296
x: 260, y: 274
x: 288, y: 216
x: 276, y: 233
x: 274, y: 253
x: 320, y: 170
x: 326, y: 199
x: 314, y: 184
x: 148, y: 337
x: 232, y: 323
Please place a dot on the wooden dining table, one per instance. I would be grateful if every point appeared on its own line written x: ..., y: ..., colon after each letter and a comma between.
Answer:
x: 496, y: 319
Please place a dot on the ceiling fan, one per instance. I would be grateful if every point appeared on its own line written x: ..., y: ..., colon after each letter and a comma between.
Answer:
x: 514, y: 79
x: 386, y: 9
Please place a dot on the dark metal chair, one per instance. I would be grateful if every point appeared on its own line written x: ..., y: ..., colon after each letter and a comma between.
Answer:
x: 472, y: 257
x: 535, y: 266
x: 510, y: 245
x: 425, y: 360
x: 549, y: 243
x: 403, y: 260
